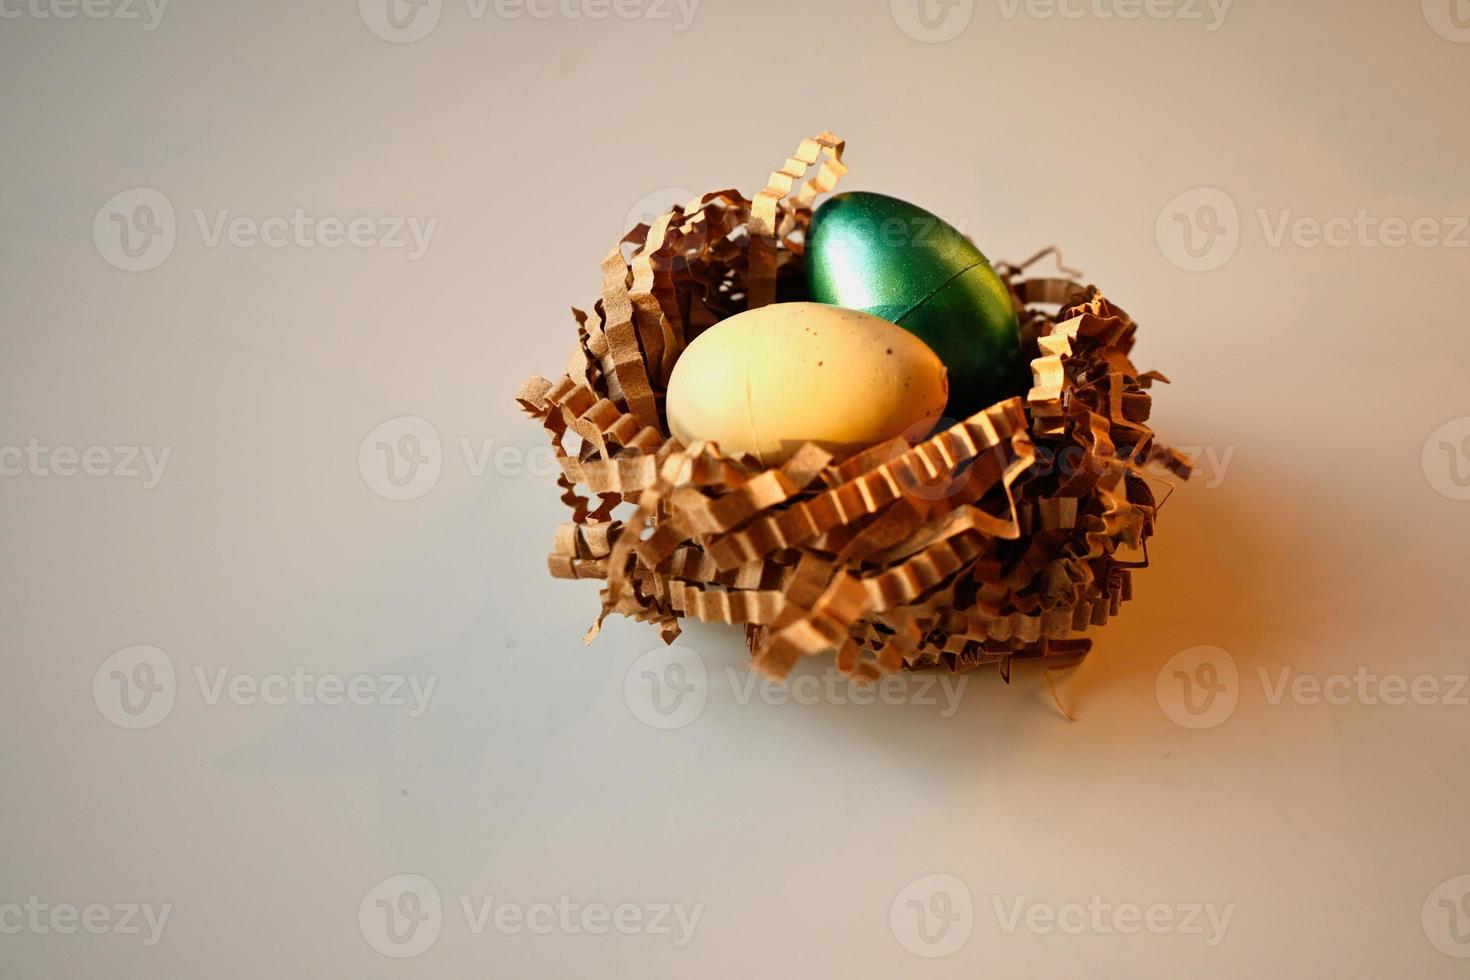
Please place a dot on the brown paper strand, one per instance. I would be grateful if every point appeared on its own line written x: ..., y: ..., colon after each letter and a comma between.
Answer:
x: 996, y: 540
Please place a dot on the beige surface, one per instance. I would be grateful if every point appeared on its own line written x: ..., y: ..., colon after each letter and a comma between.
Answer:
x: 265, y: 534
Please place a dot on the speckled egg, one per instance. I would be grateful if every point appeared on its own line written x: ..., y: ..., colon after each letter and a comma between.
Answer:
x: 764, y: 382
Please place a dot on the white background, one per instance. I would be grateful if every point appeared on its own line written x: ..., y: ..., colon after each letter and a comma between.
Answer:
x: 1331, y: 543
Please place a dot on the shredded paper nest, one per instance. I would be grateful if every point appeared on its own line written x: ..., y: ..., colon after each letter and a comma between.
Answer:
x: 1000, y: 537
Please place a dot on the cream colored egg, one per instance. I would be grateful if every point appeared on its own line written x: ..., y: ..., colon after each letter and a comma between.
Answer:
x: 766, y: 381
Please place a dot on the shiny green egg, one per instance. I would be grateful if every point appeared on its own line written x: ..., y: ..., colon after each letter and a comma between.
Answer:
x: 883, y: 256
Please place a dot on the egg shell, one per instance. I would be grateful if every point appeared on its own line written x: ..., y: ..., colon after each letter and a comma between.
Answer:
x: 884, y: 256
x: 767, y: 381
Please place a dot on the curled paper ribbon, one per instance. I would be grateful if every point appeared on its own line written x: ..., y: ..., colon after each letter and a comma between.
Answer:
x: 998, y: 538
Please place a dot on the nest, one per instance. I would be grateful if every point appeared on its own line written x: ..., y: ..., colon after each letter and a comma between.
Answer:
x: 999, y: 537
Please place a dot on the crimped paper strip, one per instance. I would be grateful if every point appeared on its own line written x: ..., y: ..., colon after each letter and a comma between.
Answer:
x: 998, y: 538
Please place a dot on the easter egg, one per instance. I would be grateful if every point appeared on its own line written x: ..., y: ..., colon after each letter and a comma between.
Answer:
x: 886, y: 257
x: 766, y: 381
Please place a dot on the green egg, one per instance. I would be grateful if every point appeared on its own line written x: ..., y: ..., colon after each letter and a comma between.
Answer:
x: 883, y: 256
